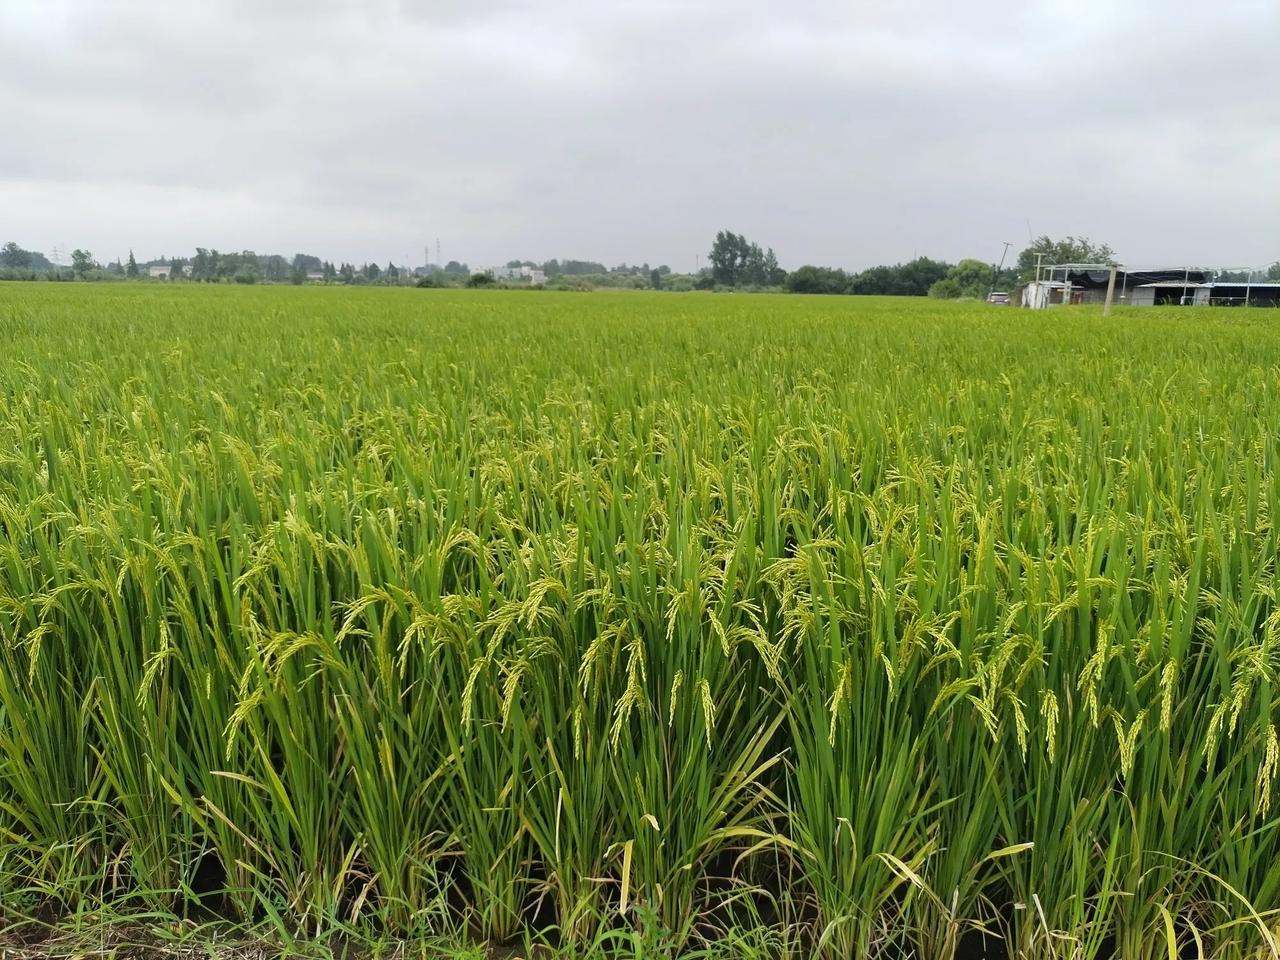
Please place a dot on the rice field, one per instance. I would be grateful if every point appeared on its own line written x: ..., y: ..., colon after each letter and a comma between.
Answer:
x: 643, y: 625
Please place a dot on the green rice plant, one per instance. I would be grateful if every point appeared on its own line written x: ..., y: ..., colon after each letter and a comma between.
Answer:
x: 649, y: 625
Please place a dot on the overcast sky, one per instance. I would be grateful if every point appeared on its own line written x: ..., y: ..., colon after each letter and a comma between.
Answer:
x: 843, y: 133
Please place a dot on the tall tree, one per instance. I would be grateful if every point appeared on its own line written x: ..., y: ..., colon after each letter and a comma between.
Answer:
x: 12, y: 255
x: 247, y: 268
x: 82, y: 263
x: 1066, y: 250
x: 735, y: 261
x: 727, y: 258
x: 275, y: 268
x: 307, y: 262
x: 204, y: 264
x: 227, y: 265
x: 131, y: 269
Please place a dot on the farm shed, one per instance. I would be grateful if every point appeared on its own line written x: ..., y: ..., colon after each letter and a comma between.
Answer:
x: 1168, y: 293
x: 1254, y: 294
x: 1211, y: 293
x: 1164, y: 286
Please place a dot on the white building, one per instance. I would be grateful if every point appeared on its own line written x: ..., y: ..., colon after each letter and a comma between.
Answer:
x: 1039, y: 294
x: 159, y: 271
x: 1167, y: 292
x: 532, y: 274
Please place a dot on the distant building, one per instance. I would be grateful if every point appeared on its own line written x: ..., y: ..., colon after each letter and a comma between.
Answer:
x: 1172, y: 286
x: 315, y: 276
x: 159, y: 271
x: 532, y: 274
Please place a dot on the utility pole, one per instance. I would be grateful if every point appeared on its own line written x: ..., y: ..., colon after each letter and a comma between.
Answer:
x: 995, y: 274
x: 1111, y: 290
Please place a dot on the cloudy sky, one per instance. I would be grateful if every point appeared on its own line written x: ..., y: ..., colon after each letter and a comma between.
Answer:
x: 843, y: 133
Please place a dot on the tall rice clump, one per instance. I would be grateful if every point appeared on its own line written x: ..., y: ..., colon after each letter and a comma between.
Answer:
x: 858, y: 628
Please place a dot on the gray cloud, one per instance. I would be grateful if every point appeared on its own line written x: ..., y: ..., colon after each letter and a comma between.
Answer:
x: 841, y: 133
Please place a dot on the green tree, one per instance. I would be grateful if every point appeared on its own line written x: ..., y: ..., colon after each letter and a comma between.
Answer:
x: 774, y: 275
x: 811, y: 279
x: 736, y: 261
x: 82, y: 263
x: 1273, y: 272
x: 968, y: 278
x: 725, y: 258
x: 247, y: 268
x: 915, y: 277
x: 392, y: 273
x: 228, y: 265
x: 307, y: 262
x: 275, y: 268
x: 131, y: 269
x: 911, y: 279
x: 480, y: 280
x: 12, y: 255
x: 1066, y: 250
x: 204, y: 265
x: 655, y: 279
x: 298, y: 268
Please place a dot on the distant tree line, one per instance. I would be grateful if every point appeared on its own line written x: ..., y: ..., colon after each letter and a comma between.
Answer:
x: 737, y: 263
x: 968, y: 279
x: 911, y: 279
x: 207, y: 266
x: 734, y: 263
